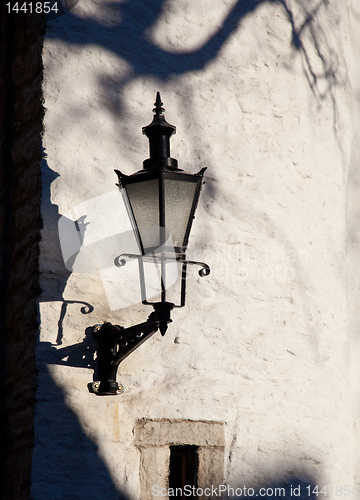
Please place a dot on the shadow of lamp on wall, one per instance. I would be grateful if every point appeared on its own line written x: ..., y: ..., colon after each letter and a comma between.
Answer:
x: 161, y: 200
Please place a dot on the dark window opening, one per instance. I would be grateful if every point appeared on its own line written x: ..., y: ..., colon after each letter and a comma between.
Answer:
x: 184, y: 464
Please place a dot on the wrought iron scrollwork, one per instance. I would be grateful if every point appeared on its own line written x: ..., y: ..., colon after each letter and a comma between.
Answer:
x: 120, y: 261
x: 205, y: 269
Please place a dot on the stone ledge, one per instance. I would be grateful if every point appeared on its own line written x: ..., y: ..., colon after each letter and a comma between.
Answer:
x: 165, y: 432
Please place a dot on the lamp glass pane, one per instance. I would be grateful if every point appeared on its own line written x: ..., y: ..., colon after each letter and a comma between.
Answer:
x: 179, y: 198
x: 144, y: 200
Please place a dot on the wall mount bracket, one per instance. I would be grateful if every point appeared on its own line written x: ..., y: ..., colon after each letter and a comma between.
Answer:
x: 117, y: 342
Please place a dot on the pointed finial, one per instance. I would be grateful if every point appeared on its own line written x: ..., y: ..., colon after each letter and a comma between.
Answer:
x: 159, y: 132
x: 158, y: 110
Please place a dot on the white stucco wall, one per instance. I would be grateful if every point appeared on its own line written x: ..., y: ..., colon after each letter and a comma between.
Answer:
x: 265, y: 94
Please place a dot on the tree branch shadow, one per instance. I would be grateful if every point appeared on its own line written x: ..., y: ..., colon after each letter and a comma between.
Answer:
x: 129, y: 40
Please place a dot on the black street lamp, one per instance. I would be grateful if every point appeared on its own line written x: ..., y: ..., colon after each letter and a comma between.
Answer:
x: 161, y: 200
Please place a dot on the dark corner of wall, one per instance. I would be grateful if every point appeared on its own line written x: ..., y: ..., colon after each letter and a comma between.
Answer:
x: 21, y: 116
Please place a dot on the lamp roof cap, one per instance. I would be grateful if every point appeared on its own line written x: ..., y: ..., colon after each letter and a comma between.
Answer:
x: 159, y: 126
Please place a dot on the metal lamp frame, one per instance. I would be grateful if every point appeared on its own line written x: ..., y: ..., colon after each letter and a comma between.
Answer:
x: 115, y: 343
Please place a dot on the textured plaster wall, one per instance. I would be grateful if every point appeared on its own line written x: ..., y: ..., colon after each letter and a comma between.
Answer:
x: 265, y: 94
